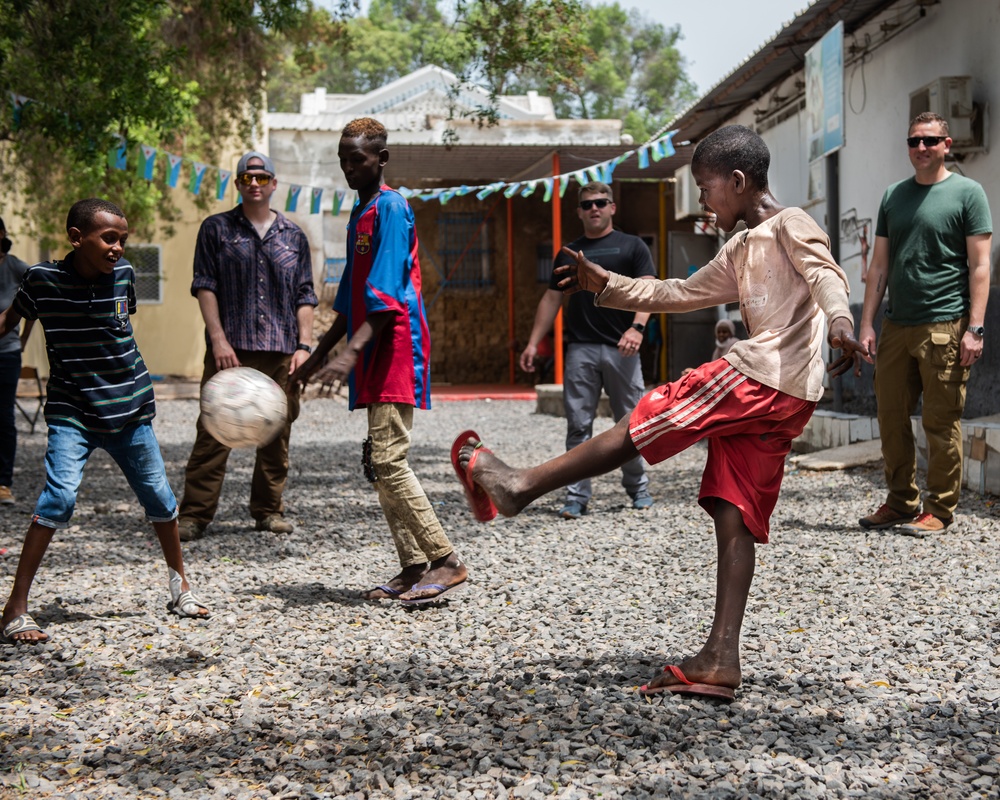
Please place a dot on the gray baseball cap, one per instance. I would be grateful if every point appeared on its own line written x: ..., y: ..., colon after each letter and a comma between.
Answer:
x: 243, y: 166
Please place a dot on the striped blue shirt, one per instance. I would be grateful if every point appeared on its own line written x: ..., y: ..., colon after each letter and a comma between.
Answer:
x: 259, y: 283
x: 97, y: 378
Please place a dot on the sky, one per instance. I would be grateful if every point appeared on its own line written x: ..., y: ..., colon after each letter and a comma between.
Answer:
x: 719, y: 35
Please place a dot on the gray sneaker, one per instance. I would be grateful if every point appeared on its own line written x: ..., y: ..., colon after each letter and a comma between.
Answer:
x: 642, y: 500
x: 572, y: 510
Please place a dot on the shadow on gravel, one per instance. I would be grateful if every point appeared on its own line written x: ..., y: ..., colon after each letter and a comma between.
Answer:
x: 310, y: 594
x: 561, y: 719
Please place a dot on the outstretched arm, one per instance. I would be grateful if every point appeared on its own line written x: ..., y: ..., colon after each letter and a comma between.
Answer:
x: 581, y: 274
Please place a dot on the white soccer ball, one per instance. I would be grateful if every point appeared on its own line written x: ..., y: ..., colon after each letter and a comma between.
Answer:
x: 243, y: 407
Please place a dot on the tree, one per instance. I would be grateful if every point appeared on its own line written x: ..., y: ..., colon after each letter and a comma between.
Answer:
x: 185, y: 74
x: 595, y: 61
x: 632, y: 70
x: 488, y: 42
x: 394, y: 39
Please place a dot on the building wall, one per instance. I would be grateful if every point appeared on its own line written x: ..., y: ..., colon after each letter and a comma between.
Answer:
x: 953, y: 38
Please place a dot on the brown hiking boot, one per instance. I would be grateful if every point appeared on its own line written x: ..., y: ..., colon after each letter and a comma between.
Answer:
x: 190, y: 530
x: 884, y: 517
x: 275, y: 523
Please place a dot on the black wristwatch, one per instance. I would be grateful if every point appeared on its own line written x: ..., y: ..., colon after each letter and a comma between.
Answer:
x: 639, y: 326
x: 979, y: 330
x: 303, y: 346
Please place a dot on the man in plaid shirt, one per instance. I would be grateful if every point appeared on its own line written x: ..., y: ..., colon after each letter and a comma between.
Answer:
x: 253, y: 280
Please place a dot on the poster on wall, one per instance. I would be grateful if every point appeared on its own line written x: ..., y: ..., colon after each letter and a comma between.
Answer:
x: 825, y: 94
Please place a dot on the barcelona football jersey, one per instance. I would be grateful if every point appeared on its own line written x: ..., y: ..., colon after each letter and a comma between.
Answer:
x: 383, y: 275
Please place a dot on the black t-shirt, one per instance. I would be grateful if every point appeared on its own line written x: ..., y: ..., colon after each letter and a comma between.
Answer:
x: 619, y: 252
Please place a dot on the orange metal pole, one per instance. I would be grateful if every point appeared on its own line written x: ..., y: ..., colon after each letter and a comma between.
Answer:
x: 510, y: 287
x: 662, y: 258
x: 556, y: 247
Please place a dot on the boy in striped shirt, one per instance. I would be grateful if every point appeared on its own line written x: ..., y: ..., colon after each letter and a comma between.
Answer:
x: 99, y: 395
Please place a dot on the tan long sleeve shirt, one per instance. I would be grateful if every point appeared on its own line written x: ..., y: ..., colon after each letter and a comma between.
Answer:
x: 784, y: 278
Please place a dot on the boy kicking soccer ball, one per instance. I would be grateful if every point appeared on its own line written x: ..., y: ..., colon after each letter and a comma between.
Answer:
x: 748, y: 405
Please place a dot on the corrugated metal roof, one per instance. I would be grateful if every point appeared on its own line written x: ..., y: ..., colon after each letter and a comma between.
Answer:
x: 782, y: 56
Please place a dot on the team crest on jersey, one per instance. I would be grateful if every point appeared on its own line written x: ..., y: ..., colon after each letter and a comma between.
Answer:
x: 121, y: 311
x: 362, y: 244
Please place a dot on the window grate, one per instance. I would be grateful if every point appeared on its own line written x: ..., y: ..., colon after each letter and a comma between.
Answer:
x: 147, y: 261
x: 464, y: 249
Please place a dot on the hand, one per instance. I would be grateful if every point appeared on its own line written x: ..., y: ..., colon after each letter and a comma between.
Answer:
x: 868, y: 340
x: 337, y: 370
x: 225, y: 356
x: 527, y: 361
x: 630, y: 342
x: 584, y: 274
x: 970, y: 349
x: 299, y: 357
x: 841, y: 337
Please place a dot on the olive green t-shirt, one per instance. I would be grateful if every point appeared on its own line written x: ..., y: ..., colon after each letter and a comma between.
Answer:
x: 926, y: 226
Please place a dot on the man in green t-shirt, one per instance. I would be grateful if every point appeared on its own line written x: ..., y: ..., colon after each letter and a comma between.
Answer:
x: 932, y: 252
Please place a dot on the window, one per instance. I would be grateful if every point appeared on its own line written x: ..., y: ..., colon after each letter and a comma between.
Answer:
x: 147, y: 261
x: 464, y: 248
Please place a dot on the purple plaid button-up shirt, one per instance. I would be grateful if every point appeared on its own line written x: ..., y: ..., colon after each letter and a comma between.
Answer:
x: 259, y: 284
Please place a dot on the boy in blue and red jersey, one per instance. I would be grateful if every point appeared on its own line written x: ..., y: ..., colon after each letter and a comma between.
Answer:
x: 387, y: 363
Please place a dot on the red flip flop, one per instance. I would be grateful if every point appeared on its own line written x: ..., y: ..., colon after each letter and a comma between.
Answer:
x: 685, y: 686
x: 482, y: 507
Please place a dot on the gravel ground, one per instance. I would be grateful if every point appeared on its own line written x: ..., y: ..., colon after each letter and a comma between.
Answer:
x: 870, y: 659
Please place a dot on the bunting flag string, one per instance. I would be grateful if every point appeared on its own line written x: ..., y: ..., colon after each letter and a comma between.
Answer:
x: 655, y: 150
x: 652, y: 151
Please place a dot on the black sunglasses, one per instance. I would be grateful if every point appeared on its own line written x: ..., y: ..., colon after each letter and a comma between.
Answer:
x: 929, y: 141
x: 586, y: 205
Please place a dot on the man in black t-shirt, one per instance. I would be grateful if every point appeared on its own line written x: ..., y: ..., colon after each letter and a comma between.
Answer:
x: 602, y: 345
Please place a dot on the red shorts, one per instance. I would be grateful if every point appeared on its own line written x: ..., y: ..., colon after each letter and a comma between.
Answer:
x: 749, y: 428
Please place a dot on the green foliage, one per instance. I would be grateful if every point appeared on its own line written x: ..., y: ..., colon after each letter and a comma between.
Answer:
x: 632, y: 71
x: 595, y: 61
x: 186, y: 75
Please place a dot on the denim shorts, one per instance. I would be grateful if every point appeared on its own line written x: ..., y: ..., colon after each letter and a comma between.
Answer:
x: 134, y: 449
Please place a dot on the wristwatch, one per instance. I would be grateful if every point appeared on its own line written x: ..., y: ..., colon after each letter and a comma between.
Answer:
x: 978, y: 330
x: 303, y: 346
x: 639, y: 326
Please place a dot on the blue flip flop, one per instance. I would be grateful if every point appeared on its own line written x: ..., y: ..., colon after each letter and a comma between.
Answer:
x: 387, y: 589
x: 441, y: 591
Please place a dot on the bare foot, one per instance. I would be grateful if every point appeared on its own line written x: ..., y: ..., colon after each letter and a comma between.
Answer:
x: 498, y: 480
x: 700, y: 670
x: 403, y: 582
x: 446, y: 572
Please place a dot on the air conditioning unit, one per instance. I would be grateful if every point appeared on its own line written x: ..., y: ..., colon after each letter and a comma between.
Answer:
x: 951, y: 98
x: 686, y: 205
